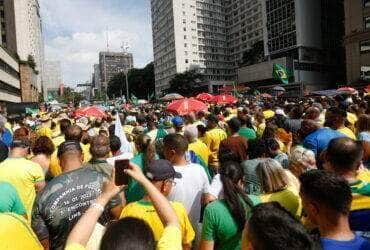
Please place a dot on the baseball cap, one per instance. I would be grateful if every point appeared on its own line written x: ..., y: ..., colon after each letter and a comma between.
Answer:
x: 160, y: 170
x: 178, y: 121
x: 69, y: 146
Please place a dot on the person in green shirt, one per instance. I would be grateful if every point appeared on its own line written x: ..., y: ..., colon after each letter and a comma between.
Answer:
x: 246, y: 129
x: 224, y: 219
x: 144, y: 145
x: 9, y: 200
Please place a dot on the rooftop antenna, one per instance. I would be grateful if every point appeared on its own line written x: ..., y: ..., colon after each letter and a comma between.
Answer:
x: 107, y: 32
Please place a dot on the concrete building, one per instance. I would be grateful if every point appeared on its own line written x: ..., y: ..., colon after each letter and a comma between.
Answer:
x: 112, y: 63
x: 305, y: 37
x: 21, y: 37
x: 52, y: 79
x: 245, y: 27
x: 357, y: 40
x: 9, y: 78
x: 29, y: 34
x: 190, y: 35
x: 96, y: 82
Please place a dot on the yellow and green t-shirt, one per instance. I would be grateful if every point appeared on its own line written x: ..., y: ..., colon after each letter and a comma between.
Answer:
x: 16, y: 233
x: 170, y: 240
x: 200, y: 149
x: 360, y: 195
x: 145, y: 210
x: 23, y: 175
x: 213, y: 139
x: 346, y: 131
x: 287, y: 198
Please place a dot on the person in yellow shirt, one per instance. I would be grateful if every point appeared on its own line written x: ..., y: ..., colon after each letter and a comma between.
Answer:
x: 16, y: 233
x: 260, y: 124
x: 162, y: 174
x: 131, y: 233
x: 45, y: 127
x: 335, y: 118
x: 196, y: 145
x: 73, y: 133
x: 275, y: 185
x: 26, y: 176
x: 212, y: 139
x: 63, y: 126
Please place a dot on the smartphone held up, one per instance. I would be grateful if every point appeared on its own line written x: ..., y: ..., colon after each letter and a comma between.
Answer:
x: 121, y: 177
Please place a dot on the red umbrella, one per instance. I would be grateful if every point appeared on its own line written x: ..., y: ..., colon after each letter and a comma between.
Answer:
x: 367, y: 89
x: 91, y: 111
x: 225, y: 99
x: 347, y: 90
x: 205, y: 97
x: 186, y: 106
x: 265, y: 95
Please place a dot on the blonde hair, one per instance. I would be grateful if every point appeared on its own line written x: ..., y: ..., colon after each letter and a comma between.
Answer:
x: 299, y: 160
x: 272, y: 176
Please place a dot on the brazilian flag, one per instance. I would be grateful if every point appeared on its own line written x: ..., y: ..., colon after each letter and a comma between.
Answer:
x: 280, y: 73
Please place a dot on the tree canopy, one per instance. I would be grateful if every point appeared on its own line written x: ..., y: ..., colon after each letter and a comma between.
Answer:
x: 141, y: 83
x: 185, y: 83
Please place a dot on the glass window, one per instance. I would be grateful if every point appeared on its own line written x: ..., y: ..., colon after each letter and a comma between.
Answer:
x: 367, y: 22
x: 365, y: 46
x: 365, y: 72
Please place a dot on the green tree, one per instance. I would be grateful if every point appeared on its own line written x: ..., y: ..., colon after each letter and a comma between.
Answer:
x: 185, y: 83
x: 70, y: 95
x: 141, y: 83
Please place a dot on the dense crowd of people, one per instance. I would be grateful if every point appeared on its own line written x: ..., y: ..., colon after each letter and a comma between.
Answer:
x: 262, y: 173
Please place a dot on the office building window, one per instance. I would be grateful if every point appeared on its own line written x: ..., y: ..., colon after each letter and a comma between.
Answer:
x: 366, y: 3
x: 367, y: 22
x: 365, y: 46
x: 365, y: 72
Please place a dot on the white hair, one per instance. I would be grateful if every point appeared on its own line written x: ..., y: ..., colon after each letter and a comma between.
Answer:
x: 191, y: 133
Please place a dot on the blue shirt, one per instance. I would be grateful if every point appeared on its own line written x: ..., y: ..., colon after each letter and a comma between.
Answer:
x: 364, y: 136
x: 358, y: 243
x: 7, y: 137
x: 319, y: 140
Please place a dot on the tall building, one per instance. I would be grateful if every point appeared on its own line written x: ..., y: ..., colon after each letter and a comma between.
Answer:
x: 190, y: 35
x: 29, y: 41
x: 96, y: 82
x: 305, y: 37
x: 112, y: 63
x: 21, y: 37
x: 10, y: 88
x: 357, y: 40
x: 52, y: 79
x: 9, y: 67
x: 245, y: 28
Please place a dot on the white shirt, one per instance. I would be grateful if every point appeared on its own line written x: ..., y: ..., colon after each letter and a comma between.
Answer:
x: 216, y: 189
x: 124, y: 156
x: 189, y: 190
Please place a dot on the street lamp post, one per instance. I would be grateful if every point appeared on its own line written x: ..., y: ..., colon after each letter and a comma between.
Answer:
x: 127, y: 90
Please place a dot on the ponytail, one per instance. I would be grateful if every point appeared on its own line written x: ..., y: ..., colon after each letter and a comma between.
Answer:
x: 234, y: 196
x: 144, y: 145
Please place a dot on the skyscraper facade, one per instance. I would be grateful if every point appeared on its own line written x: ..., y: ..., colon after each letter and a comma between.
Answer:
x: 28, y: 31
x: 52, y: 79
x: 357, y: 40
x: 209, y: 36
x: 112, y: 63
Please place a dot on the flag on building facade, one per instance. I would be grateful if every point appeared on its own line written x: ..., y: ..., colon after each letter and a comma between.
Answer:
x: 280, y: 73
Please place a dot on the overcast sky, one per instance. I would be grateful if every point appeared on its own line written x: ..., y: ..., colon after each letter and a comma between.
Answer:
x: 76, y: 30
